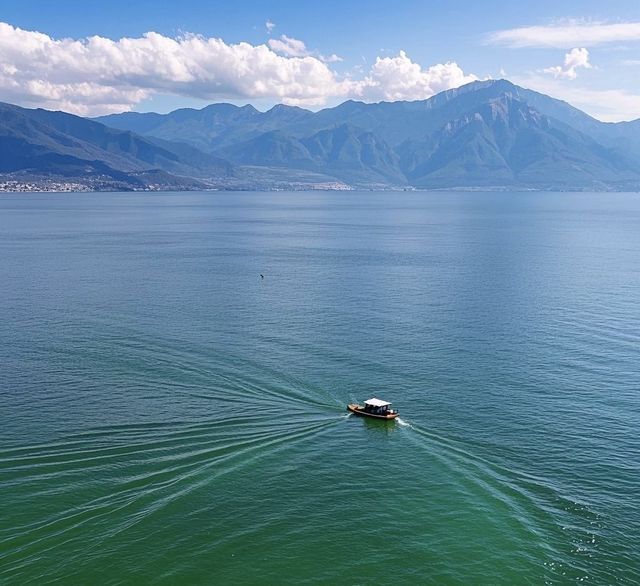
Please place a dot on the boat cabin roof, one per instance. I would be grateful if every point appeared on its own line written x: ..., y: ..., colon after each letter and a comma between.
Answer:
x: 376, y: 402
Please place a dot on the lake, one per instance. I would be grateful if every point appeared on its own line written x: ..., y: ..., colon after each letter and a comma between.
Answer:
x: 170, y: 416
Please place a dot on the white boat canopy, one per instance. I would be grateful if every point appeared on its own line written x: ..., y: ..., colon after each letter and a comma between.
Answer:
x: 376, y: 403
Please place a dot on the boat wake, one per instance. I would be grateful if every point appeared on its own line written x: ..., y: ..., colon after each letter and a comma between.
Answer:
x: 528, y: 501
x: 108, y: 479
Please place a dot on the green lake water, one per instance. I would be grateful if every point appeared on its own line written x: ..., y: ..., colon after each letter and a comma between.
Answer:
x: 167, y: 416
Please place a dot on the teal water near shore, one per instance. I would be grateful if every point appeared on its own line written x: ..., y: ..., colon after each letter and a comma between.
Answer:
x: 169, y: 417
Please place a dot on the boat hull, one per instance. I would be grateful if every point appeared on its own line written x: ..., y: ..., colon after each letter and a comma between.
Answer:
x: 359, y: 410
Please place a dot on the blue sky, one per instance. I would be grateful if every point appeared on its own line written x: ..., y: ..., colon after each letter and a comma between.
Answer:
x: 313, y: 54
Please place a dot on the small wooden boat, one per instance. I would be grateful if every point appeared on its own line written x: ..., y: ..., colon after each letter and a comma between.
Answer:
x: 373, y: 408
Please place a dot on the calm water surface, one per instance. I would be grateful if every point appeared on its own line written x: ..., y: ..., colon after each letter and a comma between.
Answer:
x: 169, y: 417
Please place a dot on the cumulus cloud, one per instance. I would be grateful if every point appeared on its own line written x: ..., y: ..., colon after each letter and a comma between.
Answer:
x: 270, y: 26
x: 296, y: 48
x: 101, y: 75
x: 333, y: 58
x: 567, y: 34
x: 573, y: 60
x: 287, y: 46
x: 98, y: 75
x: 399, y: 78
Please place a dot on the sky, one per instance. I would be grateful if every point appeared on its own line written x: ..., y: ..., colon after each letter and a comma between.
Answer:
x: 97, y: 57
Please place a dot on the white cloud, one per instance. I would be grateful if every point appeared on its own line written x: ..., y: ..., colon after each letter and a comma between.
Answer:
x: 270, y: 26
x: 296, y: 48
x: 399, y: 78
x: 97, y: 75
x: 287, y: 46
x: 567, y: 34
x: 333, y: 58
x: 574, y: 59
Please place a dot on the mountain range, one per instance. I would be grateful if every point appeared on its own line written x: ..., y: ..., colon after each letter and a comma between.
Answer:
x: 484, y: 135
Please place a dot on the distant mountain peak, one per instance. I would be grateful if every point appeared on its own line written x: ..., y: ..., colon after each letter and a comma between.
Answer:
x: 216, y: 106
x: 486, y: 133
x: 285, y: 108
x: 495, y: 83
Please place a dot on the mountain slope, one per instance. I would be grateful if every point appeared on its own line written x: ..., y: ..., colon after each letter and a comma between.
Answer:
x: 506, y: 142
x: 211, y: 128
x: 486, y: 134
x: 41, y: 142
x: 345, y: 153
x: 351, y: 153
x: 623, y: 136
